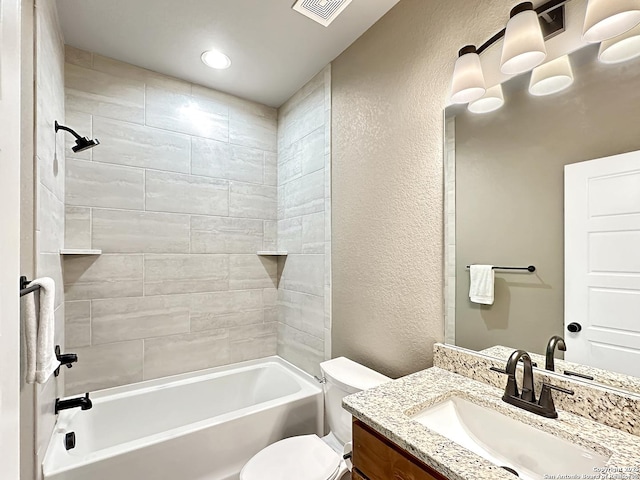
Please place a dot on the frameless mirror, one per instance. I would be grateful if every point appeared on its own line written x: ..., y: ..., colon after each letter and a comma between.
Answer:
x: 505, y: 174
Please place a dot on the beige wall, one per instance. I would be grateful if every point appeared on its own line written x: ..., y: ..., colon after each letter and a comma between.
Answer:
x: 510, y: 195
x: 389, y: 91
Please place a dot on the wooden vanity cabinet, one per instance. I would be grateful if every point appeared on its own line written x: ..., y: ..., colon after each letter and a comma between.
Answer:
x: 377, y: 458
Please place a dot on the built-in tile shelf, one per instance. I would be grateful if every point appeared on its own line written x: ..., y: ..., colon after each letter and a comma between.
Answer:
x: 79, y: 251
x: 269, y: 253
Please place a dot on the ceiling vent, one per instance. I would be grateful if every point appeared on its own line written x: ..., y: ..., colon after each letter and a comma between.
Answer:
x: 322, y: 11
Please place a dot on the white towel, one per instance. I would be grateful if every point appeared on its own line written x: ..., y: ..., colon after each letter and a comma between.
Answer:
x: 39, y: 332
x: 481, y: 288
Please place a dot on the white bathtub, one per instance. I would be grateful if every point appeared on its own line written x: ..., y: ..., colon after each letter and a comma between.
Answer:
x: 198, y: 426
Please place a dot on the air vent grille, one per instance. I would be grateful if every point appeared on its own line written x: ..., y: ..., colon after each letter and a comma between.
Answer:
x: 322, y: 11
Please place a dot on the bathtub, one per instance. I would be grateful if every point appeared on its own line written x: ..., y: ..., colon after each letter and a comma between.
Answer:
x: 198, y: 426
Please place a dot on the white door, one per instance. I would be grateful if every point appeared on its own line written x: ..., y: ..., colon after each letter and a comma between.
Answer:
x: 9, y: 239
x: 602, y: 263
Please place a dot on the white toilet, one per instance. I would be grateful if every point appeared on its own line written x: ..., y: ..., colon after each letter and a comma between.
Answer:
x: 309, y: 457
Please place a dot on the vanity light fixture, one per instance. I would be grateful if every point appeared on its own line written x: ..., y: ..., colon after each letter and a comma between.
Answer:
x: 523, y: 47
x: 551, y: 77
x: 468, y: 80
x: 622, y: 48
x: 490, y: 102
x: 216, y: 59
x: 606, y: 19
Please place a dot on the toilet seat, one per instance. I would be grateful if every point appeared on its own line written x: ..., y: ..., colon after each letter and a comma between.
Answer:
x: 305, y: 457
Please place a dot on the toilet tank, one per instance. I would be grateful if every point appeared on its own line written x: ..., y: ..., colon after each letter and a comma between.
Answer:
x: 345, y: 377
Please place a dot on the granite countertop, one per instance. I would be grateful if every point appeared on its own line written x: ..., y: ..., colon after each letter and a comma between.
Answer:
x: 389, y: 407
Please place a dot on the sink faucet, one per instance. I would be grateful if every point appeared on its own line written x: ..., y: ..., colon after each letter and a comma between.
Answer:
x: 83, y: 402
x: 554, y: 342
x: 527, y: 399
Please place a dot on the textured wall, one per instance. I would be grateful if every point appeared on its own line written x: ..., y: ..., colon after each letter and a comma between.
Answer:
x: 304, y: 224
x: 49, y: 194
x: 179, y: 196
x: 389, y: 91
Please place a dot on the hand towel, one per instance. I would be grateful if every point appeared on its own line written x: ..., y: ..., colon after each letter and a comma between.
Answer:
x: 481, y: 289
x: 39, y: 332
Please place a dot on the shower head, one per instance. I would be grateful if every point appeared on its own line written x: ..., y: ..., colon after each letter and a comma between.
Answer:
x: 82, y: 143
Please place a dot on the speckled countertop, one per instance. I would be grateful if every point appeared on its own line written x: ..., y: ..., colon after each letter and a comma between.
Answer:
x: 389, y: 407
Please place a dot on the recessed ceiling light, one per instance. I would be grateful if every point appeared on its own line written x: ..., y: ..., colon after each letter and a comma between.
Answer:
x: 215, y: 59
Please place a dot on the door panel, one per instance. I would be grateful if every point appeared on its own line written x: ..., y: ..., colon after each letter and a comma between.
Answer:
x: 602, y: 262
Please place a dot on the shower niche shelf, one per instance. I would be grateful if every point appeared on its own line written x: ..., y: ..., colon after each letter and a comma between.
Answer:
x: 273, y: 253
x: 80, y: 251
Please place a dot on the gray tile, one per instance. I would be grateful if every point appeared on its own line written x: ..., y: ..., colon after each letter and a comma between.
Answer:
x: 306, y: 117
x: 50, y: 221
x: 186, y: 114
x: 121, y: 69
x: 169, y: 274
x: 226, y: 235
x: 188, y: 352
x: 253, y: 341
x: 216, y: 159
x: 303, y: 156
x: 172, y: 192
x: 102, y: 94
x: 121, y: 319
x: 79, y: 57
x: 303, y: 350
x: 105, y: 366
x: 304, y: 195
x: 140, y: 146
x: 109, y: 186
x: 245, y: 164
x: 290, y: 235
x: 77, y: 328
x: 304, y: 273
x: 270, y: 297
x: 210, y: 311
x: 118, y: 231
x: 104, y: 276
x: 302, y: 311
x: 253, y: 129
x: 252, y: 201
x: 270, y: 169
x: 209, y: 157
x: 252, y: 271
x: 313, y: 239
x: 270, y: 240
x: 77, y: 227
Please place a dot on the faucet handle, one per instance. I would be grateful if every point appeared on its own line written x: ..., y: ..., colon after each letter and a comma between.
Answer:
x: 546, y: 398
x: 499, y: 370
x: 558, y: 389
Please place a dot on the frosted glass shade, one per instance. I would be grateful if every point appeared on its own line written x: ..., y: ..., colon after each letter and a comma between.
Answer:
x: 490, y: 102
x: 621, y: 48
x: 551, y: 77
x: 606, y: 19
x: 524, y: 46
x: 468, y: 80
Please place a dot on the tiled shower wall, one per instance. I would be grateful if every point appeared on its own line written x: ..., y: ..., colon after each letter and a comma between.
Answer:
x: 179, y: 196
x: 49, y: 193
x: 304, y: 224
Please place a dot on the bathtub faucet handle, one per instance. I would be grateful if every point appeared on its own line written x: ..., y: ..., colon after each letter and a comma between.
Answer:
x: 322, y: 380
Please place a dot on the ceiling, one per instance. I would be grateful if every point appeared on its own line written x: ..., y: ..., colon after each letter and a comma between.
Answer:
x: 274, y: 49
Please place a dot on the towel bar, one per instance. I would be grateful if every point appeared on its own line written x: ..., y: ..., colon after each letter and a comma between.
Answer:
x: 530, y: 268
x: 24, y: 290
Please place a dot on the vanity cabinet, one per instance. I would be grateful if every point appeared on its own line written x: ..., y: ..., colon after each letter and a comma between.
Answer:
x: 377, y: 458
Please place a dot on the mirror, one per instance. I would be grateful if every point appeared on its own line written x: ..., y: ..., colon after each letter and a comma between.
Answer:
x: 504, y: 182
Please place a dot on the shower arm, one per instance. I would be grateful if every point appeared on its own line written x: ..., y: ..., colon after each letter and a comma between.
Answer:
x: 67, y: 129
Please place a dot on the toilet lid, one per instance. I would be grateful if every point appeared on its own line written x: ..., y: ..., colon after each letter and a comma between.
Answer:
x: 294, y: 458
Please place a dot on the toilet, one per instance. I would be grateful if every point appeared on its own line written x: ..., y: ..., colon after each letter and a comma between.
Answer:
x: 309, y: 457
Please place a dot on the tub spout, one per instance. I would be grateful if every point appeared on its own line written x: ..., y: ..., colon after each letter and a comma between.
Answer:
x: 83, y: 402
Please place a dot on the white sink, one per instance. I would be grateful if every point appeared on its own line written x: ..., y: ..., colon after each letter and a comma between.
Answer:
x: 506, y: 442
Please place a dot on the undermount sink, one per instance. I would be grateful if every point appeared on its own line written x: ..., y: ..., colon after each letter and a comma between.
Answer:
x: 508, y: 443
